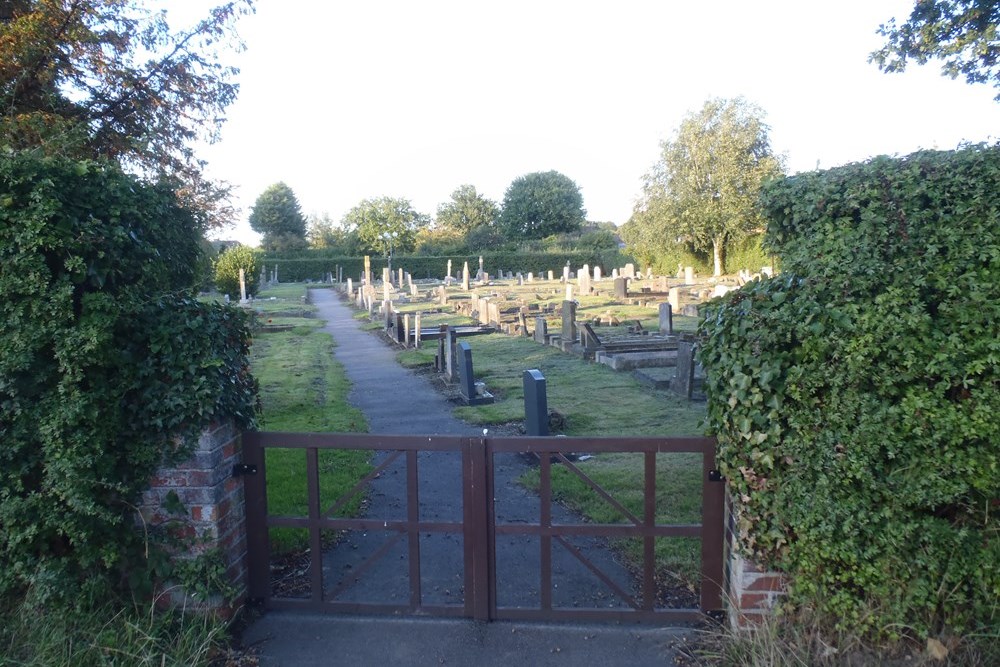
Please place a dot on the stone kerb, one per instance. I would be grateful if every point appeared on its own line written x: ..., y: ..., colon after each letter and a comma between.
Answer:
x: 215, y: 512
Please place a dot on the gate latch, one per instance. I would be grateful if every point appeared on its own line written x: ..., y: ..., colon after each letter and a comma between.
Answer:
x: 244, y: 469
x: 715, y: 476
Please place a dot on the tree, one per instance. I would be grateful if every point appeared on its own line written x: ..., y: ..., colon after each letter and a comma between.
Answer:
x: 108, y: 78
x: 467, y: 210
x: 227, y: 270
x: 540, y: 204
x: 962, y: 33
x: 385, y: 225
x: 277, y: 216
x: 705, y: 187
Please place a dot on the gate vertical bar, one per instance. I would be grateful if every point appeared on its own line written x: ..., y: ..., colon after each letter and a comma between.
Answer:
x: 258, y: 542
x: 412, y: 527
x: 545, y: 538
x: 315, y: 536
x: 476, y: 531
x: 712, y: 530
x: 649, y: 540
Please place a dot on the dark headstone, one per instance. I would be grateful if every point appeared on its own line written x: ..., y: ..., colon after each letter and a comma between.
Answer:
x: 536, y: 407
x: 569, y: 321
x: 621, y: 288
x: 666, y: 319
x: 466, y: 378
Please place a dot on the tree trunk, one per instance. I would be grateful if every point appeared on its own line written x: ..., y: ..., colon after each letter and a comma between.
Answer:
x: 717, y: 255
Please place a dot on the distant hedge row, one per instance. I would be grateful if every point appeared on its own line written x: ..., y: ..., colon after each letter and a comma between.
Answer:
x: 314, y: 265
x: 856, y: 397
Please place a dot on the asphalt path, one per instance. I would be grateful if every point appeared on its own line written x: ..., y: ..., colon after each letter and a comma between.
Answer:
x: 395, y: 400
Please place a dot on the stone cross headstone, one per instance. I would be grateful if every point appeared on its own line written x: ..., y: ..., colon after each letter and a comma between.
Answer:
x: 536, y: 407
x: 541, y: 330
x: 569, y: 322
x: 674, y: 299
x: 666, y: 319
x: 683, y: 383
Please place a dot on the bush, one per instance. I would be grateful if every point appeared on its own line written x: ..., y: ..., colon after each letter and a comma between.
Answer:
x: 108, y: 367
x: 227, y: 271
x: 855, y: 397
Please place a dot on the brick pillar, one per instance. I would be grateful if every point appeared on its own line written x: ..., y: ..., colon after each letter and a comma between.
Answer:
x: 214, y: 504
x: 751, y: 591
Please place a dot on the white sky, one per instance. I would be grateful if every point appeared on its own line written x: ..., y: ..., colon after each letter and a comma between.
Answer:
x: 348, y: 100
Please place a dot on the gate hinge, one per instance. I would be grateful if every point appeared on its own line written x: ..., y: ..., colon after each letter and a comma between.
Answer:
x: 244, y: 469
x: 715, y: 476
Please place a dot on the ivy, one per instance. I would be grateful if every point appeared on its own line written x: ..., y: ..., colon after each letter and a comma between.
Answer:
x: 108, y: 366
x: 855, y: 396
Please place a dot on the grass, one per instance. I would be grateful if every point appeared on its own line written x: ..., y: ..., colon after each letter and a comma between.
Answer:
x: 303, y: 389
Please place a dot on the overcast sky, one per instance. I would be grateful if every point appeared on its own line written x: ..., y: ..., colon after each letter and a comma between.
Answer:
x: 349, y: 100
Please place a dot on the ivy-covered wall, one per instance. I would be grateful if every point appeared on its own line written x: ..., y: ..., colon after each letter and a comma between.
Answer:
x: 856, y: 396
x: 108, y: 367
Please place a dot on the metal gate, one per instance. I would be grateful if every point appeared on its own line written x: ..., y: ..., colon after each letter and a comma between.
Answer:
x: 477, y: 527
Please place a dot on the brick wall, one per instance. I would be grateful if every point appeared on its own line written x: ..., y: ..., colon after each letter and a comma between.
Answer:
x: 213, y: 499
x: 751, y: 592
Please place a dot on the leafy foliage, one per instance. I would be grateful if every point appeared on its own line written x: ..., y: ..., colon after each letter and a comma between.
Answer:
x: 277, y: 215
x: 855, y: 397
x: 108, y: 78
x: 703, y: 192
x: 540, y: 204
x: 107, y: 366
x: 467, y: 210
x: 385, y: 225
x: 965, y: 34
x: 227, y: 271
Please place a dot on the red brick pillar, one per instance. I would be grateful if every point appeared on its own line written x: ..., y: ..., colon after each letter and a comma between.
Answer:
x: 214, y: 517
x: 751, y: 591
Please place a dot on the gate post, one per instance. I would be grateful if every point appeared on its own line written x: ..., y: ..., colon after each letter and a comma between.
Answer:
x: 477, y: 529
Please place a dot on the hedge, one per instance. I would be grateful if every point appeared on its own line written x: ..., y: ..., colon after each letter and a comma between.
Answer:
x: 108, y: 368
x: 301, y: 266
x: 856, y: 396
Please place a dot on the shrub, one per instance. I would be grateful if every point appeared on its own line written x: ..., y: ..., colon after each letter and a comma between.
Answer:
x: 108, y: 367
x: 227, y: 271
x: 855, y: 397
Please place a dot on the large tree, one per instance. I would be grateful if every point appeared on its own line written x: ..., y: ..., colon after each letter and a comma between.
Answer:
x: 277, y: 216
x: 109, y: 78
x: 705, y: 187
x: 385, y: 225
x: 467, y: 210
x: 541, y: 204
x: 962, y: 33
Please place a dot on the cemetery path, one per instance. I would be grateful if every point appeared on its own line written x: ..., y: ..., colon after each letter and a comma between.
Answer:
x: 397, y: 401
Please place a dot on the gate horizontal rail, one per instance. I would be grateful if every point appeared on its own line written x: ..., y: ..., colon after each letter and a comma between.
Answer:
x: 479, y: 527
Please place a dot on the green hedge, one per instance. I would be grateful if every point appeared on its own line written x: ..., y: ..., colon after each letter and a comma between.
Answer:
x: 314, y: 265
x: 108, y: 367
x: 856, y: 396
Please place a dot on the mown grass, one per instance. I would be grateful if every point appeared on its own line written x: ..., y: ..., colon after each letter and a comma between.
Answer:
x: 303, y: 389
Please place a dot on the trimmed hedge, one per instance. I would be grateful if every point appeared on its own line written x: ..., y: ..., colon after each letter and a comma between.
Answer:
x: 856, y: 397
x: 108, y: 368
x: 314, y: 265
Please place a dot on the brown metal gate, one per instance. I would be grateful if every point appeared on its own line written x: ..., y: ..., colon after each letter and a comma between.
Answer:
x: 479, y: 529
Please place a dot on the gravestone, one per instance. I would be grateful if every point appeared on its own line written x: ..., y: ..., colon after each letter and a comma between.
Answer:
x: 350, y: 286
x: 522, y: 322
x: 551, y: 276
x: 465, y: 277
x: 471, y: 394
x: 416, y: 331
x: 406, y: 330
x: 448, y: 275
x: 400, y: 281
x: 243, y: 286
x: 368, y: 270
x: 536, y: 406
x: 485, y: 277
x: 449, y: 354
x: 520, y: 279
x: 666, y: 319
x: 628, y: 271
x: 541, y: 330
x: 568, y: 322
x: 569, y: 292
x: 649, y: 273
x: 442, y: 296
x: 688, y: 275
x: 583, y: 280
x: 531, y: 277
x: 263, y: 275
x: 683, y: 383
x: 589, y: 339
x: 621, y: 288
x: 565, y: 277
x: 493, y: 310
x: 386, y: 284
x: 597, y: 274
x: 614, y: 274
x: 674, y: 299
x: 480, y: 266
